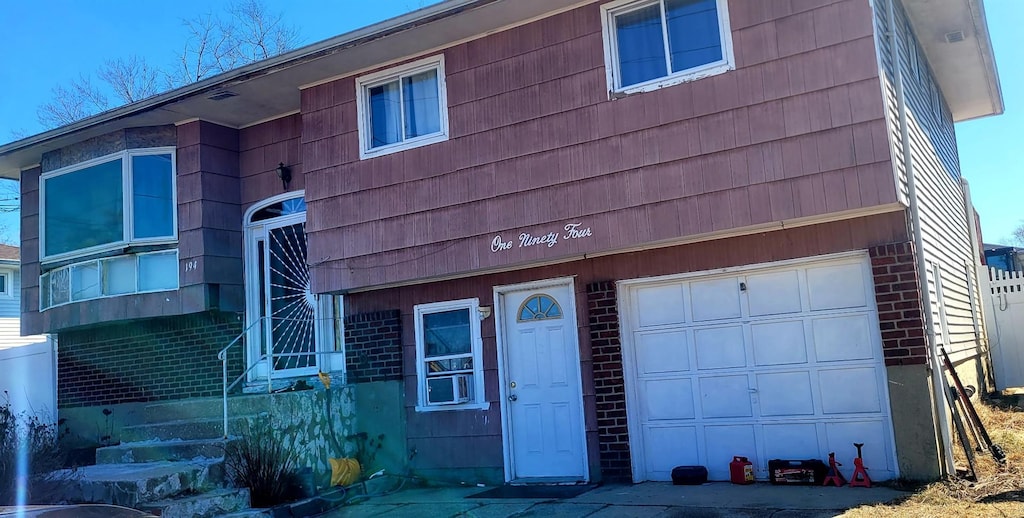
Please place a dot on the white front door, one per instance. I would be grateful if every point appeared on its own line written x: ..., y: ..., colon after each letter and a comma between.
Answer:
x: 543, y: 397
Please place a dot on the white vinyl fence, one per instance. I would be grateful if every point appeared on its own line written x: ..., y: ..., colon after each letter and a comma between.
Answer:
x: 28, y: 375
x: 1004, y: 319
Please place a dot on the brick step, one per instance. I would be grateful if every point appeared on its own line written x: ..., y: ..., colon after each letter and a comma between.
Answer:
x: 186, y: 430
x: 218, y: 502
x: 130, y: 485
x: 207, y: 408
x: 155, y: 451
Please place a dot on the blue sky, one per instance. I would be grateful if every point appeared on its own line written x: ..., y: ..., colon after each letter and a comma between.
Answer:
x: 49, y: 42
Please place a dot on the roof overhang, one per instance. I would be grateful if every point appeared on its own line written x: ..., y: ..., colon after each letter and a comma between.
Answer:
x: 271, y: 88
x: 965, y: 68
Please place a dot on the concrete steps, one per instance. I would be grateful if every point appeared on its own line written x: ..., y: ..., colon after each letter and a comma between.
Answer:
x: 207, y: 408
x: 218, y: 502
x: 184, y: 429
x: 172, y: 464
x: 130, y: 485
x: 155, y: 451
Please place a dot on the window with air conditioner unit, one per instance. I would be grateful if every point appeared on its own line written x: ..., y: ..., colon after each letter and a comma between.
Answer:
x: 449, y: 368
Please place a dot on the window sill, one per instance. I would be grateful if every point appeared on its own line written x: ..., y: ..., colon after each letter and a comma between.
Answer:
x: 442, y: 408
x: 672, y: 80
x: 402, y: 146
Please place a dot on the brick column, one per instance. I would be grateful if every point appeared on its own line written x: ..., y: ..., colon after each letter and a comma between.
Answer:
x: 898, y: 295
x: 609, y: 387
x: 373, y: 346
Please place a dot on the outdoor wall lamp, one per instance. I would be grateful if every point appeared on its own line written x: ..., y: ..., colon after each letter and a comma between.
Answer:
x: 285, y: 174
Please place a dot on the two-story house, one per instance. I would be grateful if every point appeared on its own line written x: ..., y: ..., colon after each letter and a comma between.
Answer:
x: 567, y: 240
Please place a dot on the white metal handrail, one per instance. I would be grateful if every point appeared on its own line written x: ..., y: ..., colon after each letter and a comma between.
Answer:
x: 269, y: 356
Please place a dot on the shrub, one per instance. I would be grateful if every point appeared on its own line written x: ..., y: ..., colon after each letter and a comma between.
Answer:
x: 44, y: 451
x: 262, y: 463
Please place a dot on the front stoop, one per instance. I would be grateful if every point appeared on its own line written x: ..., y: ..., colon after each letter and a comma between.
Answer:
x: 172, y: 464
x: 213, y: 503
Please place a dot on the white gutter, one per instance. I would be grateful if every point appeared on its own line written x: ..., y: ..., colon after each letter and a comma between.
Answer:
x: 939, y: 402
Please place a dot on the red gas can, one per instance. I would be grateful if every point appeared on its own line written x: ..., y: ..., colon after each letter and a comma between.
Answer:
x: 741, y: 471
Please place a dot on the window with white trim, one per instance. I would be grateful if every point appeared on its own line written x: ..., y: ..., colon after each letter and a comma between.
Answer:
x: 654, y: 43
x: 449, y: 368
x: 6, y: 289
x: 402, y: 108
x: 119, y: 200
x: 109, y: 277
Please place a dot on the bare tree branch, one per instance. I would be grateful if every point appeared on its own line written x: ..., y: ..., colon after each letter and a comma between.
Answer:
x: 76, y: 101
x: 131, y: 79
x: 244, y: 33
x: 1018, y: 234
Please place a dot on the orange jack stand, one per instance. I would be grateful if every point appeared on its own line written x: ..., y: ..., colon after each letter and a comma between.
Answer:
x: 834, y: 475
x: 860, y: 476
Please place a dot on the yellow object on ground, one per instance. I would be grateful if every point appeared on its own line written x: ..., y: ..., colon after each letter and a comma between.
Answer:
x: 344, y: 472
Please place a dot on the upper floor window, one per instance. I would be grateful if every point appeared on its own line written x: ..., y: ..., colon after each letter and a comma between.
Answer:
x: 6, y: 289
x: 402, y: 108
x: 654, y: 43
x: 107, y: 203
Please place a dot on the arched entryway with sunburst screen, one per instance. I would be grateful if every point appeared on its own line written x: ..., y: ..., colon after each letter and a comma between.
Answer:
x: 288, y: 324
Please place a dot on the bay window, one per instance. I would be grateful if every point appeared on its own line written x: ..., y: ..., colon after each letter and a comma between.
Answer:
x: 111, y: 202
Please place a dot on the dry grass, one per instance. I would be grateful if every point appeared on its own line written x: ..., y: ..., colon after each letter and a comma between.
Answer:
x: 999, y: 490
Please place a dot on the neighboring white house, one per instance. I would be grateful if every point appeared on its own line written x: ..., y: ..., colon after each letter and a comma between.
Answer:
x: 27, y: 363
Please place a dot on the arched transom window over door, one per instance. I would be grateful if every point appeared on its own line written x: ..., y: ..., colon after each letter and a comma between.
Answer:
x: 539, y: 307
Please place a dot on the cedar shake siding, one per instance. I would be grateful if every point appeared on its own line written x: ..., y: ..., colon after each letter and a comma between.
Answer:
x: 448, y: 443
x: 796, y: 132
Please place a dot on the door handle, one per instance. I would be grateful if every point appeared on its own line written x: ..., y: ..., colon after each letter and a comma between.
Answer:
x: 513, y: 397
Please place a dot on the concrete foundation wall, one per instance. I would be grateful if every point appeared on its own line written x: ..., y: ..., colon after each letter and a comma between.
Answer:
x: 910, y: 402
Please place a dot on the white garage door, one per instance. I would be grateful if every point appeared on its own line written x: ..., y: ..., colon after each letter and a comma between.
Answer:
x: 782, y: 361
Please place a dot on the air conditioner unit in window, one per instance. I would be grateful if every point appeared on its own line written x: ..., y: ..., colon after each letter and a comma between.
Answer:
x: 449, y: 390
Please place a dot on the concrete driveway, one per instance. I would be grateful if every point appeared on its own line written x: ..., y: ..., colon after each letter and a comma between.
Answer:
x: 650, y: 499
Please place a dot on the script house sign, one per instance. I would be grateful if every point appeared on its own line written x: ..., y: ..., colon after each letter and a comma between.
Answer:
x: 525, y: 239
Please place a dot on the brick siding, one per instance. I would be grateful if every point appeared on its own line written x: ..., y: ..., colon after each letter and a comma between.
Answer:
x: 898, y: 295
x: 147, y: 360
x: 373, y: 346
x: 609, y: 387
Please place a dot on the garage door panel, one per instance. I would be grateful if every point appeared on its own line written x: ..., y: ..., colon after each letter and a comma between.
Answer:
x: 773, y: 293
x: 779, y: 343
x: 720, y: 348
x: 724, y: 442
x: 841, y: 435
x: 789, y: 367
x: 791, y: 441
x: 715, y: 299
x: 836, y: 287
x: 668, y: 399
x: 843, y: 338
x: 785, y: 394
x: 850, y: 390
x: 660, y: 305
x: 725, y: 396
x: 662, y: 351
x: 668, y: 447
